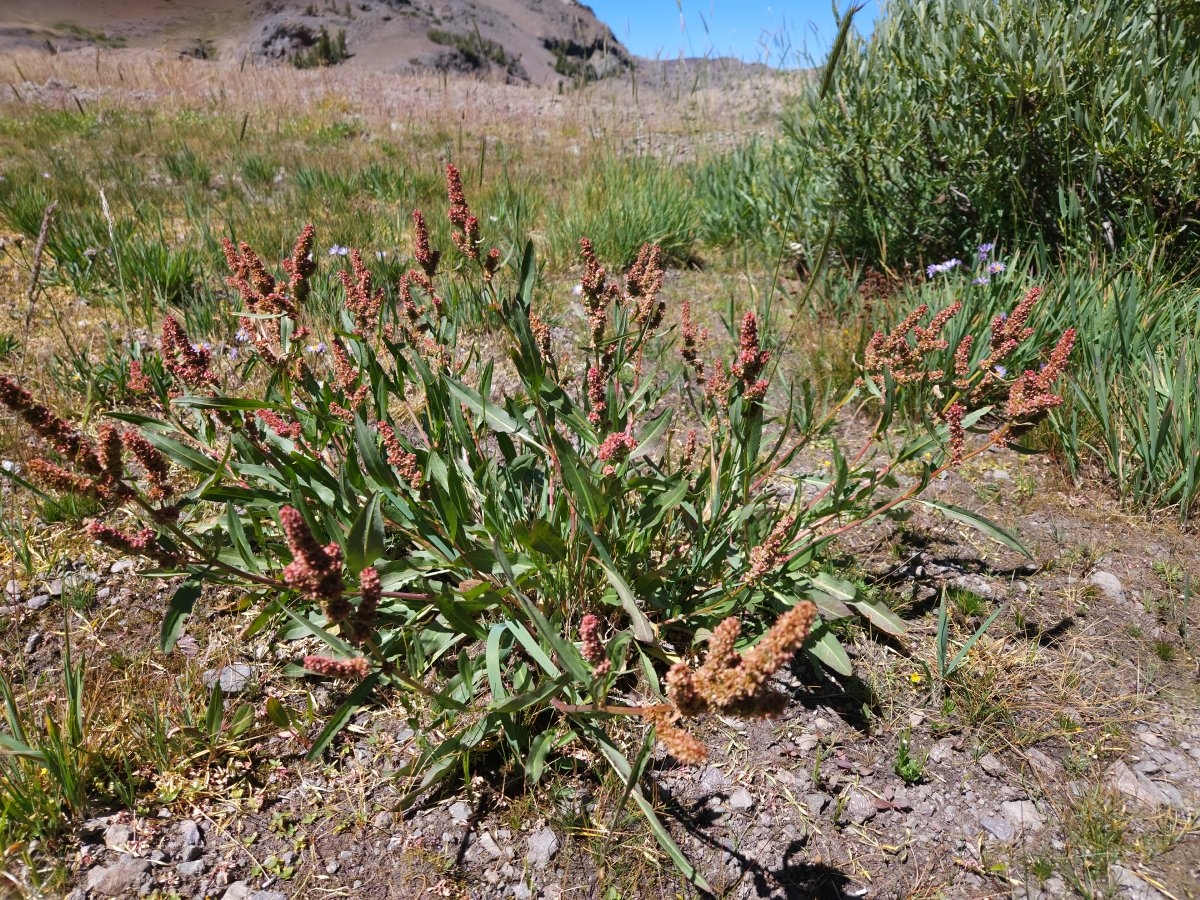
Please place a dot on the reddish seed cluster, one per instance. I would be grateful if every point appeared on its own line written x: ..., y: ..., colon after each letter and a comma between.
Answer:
x: 315, y: 571
x: 643, y: 283
x: 363, y: 301
x: 731, y: 682
x: 616, y: 447
x: 694, y: 340
x: 278, y: 424
x: 751, y: 360
x: 426, y: 258
x: 491, y: 263
x: 137, y: 381
x: 690, y: 447
x: 467, y: 237
x: 597, y: 390
x: 406, y: 464
x: 346, y: 669
x: 141, y: 544
x: 300, y: 266
x: 541, y: 337
x: 153, y: 463
x: 345, y: 374
x: 953, y: 417
x: 362, y: 625
x: 1031, y: 394
x: 894, y: 354
x: 67, y: 440
x: 186, y: 361
x: 592, y: 647
x: 770, y: 554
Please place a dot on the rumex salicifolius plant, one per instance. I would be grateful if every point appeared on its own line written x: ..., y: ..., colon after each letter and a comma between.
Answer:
x: 529, y: 546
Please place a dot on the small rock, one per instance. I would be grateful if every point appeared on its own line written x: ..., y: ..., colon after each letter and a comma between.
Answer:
x: 992, y: 765
x: 102, y: 593
x: 1150, y: 739
x: 189, y: 834
x: 860, y: 807
x: 713, y: 779
x: 1132, y: 887
x: 12, y: 590
x: 117, y: 837
x: 521, y: 892
x: 543, y: 844
x: 332, y: 866
x: 190, y: 852
x: 460, y: 811
x: 816, y: 802
x: 382, y: 819
x: 93, y: 829
x: 33, y: 642
x: 1125, y: 780
x: 1055, y: 886
x: 55, y: 587
x: 1108, y: 583
x: 489, y: 845
x: 122, y: 877
x: 122, y: 565
x: 741, y: 800
x: 941, y: 750
x: 1024, y: 815
x: 41, y: 601
x: 233, y: 679
x: 240, y: 890
x: 999, y: 475
x: 191, y: 868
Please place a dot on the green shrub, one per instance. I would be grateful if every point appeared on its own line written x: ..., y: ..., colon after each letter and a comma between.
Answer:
x: 1022, y: 120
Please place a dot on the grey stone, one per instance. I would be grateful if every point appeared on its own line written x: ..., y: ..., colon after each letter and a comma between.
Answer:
x: 41, y: 601
x: 860, y: 807
x: 999, y: 828
x: 992, y: 765
x: 117, y: 837
x: 122, y: 877
x: 13, y: 589
x: 489, y: 845
x: 382, y: 819
x: 191, y: 868
x: 189, y: 834
x: 233, y: 679
x: 55, y: 587
x: 543, y: 844
x: 816, y: 802
x: 240, y: 890
x: 942, y: 750
x: 1132, y: 887
x: 741, y: 800
x: 713, y: 779
x: 33, y: 642
x: 460, y: 811
x: 332, y: 866
x: 1024, y: 815
x: 190, y: 852
x: 93, y: 829
x: 521, y: 892
x: 1055, y: 886
x: 122, y: 565
x: 1144, y: 791
x: 1108, y: 583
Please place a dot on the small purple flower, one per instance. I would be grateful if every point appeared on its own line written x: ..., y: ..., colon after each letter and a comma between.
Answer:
x: 242, y: 336
x: 381, y: 254
x: 982, y: 279
x: 996, y: 268
x: 1001, y: 371
x: 985, y: 250
x: 338, y: 250
x: 939, y: 268
x: 316, y: 348
x: 577, y: 290
x: 233, y: 353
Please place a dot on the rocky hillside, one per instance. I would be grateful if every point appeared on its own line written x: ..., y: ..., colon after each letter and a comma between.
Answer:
x: 537, y: 41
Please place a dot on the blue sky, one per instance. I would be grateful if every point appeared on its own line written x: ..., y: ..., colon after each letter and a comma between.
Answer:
x: 775, y: 32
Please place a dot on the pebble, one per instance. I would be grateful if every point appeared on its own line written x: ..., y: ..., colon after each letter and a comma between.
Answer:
x: 1024, y: 815
x: 543, y: 844
x: 741, y: 800
x: 860, y: 807
x: 240, y: 890
x: 713, y: 779
x: 1144, y: 791
x: 189, y: 833
x: 1000, y: 828
x: 233, y: 679
x: 33, y: 642
x: 460, y: 811
x: 1108, y: 583
x: 117, y: 837
x: 191, y: 868
x: 120, y: 878
x: 13, y: 589
x: 992, y: 765
x: 55, y: 587
x: 1131, y: 885
x: 41, y: 601
x: 816, y: 802
x: 122, y: 565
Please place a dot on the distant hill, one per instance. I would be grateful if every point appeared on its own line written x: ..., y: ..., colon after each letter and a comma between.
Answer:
x: 537, y: 41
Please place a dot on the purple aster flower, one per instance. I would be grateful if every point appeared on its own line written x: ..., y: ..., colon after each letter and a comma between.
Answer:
x: 996, y: 268
x: 984, y: 250
x: 338, y: 250
x: 1001, y: 371
x: 982, y: 279
x: 242, y: 336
